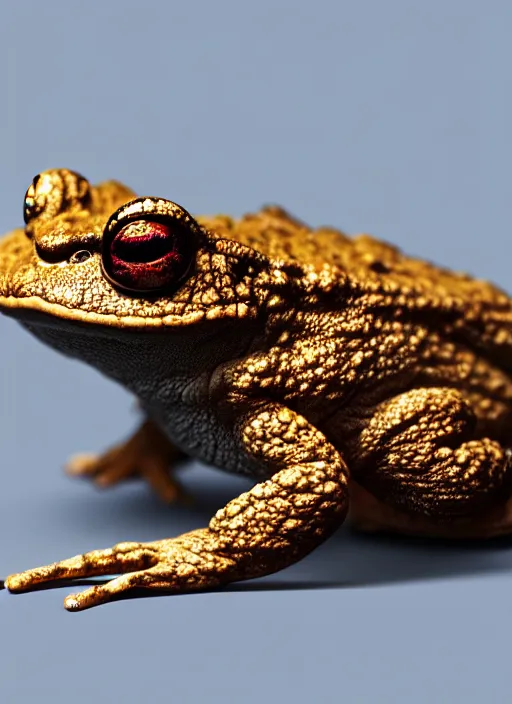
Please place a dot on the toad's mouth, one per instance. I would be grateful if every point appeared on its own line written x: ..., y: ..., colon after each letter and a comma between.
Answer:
x: 37, y: 311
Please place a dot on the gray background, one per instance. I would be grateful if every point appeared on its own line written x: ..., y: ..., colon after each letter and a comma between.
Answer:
x: 390, y: 117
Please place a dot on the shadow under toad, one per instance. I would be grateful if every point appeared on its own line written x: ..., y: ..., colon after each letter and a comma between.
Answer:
x: 347, y: 560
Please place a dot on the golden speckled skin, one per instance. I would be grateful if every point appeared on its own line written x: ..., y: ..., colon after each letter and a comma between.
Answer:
x: 336, y: 371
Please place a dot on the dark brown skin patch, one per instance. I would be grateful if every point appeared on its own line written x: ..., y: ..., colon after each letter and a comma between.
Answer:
x: 342, y: 375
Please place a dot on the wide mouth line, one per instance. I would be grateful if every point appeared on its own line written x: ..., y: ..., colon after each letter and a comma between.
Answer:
x: 55, y: 315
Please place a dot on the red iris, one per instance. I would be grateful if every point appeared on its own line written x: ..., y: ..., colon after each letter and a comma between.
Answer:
x: 146, y: 255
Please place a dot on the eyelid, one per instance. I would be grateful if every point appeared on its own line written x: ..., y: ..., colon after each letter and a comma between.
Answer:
x: 149, y: 208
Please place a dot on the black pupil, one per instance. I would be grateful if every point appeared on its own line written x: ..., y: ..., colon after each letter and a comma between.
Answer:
x: 147, y: 245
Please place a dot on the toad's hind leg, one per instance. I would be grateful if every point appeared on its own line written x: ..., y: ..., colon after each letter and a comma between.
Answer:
x: 419, y: 453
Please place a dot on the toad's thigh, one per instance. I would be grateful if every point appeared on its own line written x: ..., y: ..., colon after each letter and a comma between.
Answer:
x: 421, y: 452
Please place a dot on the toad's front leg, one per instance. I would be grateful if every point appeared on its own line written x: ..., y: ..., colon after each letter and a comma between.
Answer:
x: 264, y: 530
x: 148, y: 454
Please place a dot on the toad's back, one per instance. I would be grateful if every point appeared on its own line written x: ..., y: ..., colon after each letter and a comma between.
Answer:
x: 475, y: 310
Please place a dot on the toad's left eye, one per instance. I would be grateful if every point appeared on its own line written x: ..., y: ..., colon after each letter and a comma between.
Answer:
x: 147, y: 255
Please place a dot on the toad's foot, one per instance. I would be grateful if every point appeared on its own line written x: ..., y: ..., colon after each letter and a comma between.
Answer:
x: 264, y: 530
x: 190, y: 562
x: 148, y: 453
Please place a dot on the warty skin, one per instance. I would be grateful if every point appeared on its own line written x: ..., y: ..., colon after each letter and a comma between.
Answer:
x: 337, y: 372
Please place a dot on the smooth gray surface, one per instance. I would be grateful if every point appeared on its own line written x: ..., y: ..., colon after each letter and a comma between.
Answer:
x: 390, y: 117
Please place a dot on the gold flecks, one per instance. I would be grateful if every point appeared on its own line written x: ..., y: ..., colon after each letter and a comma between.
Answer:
x: 356, y: 351
x: 437, y: 480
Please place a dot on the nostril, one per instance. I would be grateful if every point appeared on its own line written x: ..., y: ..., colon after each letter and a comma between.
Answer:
x: 61, y: 252
x: 79, y: 257
x: 57, y: 246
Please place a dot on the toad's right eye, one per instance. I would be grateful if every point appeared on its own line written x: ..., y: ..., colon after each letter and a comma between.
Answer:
x: 150, y: 251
